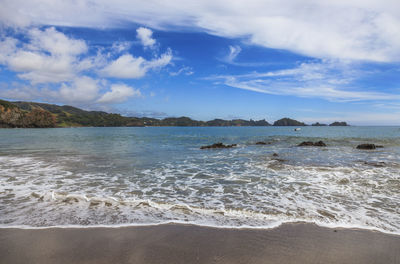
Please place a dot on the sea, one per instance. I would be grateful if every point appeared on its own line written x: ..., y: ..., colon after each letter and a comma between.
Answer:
x: 86, y: 177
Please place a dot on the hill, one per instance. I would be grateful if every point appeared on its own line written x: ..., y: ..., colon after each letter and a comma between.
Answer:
x: 288, y: 122
x: 31, y: 114
x: 339, y: 124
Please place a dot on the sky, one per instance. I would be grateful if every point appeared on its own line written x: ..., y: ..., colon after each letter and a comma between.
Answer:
x: 311, y: 60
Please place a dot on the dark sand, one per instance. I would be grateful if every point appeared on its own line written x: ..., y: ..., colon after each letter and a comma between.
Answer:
x: 173, y: 243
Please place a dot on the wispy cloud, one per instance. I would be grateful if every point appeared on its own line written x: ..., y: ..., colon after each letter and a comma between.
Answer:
x: 328, y: 79
x: 184, y: 70
x: 233, y: 53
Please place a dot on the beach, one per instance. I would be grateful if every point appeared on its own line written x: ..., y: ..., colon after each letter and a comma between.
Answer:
x: 178, y: 243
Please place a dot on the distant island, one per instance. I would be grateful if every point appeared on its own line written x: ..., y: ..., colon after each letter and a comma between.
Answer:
x: 41, y: 115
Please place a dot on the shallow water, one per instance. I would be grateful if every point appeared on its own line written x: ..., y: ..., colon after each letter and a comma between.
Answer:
x: 124, y: 176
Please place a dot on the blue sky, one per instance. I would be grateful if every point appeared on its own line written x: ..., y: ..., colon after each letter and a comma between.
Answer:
x: 312, y: 61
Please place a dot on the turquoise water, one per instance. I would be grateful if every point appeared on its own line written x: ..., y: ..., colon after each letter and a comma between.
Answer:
x: 128, y: 176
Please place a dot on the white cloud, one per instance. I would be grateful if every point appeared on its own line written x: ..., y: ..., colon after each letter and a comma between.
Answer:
x: 330, y: 80
x: 338, y: 29
x: 118, y: 94
x: 58, y: 68
x: 49, y: 56
x: 126, y: 66
x: 129, y: 67
x: 145, y: 37
x: 184, y: 70
x: 81, y: 90
x: 233, y: 53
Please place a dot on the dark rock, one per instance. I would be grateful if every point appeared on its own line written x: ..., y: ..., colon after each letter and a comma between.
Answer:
x: 344, y: 181
x: 306, y: 143
x: 377, y: 164
x: 312, y: 144
x: 319, y: 144
x: 378, y: 146
x: 218, y: 145
x: 261, y: 143
x: 366, y: 146
x: 275, y: 155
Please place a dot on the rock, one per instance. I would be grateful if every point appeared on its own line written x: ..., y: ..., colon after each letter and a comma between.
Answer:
x: 366, y: 146
x: 261, y: 143
x: 70, y: 200
x: 218, y: 145
x: 306, y: 143
x: 319, y: 144
x: 344, y: 181
x: 275, y: 155
x: 377, y: 164
x: 312, y: 144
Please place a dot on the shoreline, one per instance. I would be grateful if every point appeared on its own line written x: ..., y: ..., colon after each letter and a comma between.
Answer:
x: 182, y: 243
x: 223, y: 227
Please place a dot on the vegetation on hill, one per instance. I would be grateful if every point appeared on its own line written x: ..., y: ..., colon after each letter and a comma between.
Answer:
x: 13, y: 116
x: 318, y: 124
x: 31, y: 114
x: 288, y: 122
x: 339, y: 124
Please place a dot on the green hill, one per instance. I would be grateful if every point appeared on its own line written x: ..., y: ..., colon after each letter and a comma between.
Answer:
x: 31, y: 114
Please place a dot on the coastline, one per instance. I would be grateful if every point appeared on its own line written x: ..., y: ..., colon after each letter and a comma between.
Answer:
x: 179, y: 243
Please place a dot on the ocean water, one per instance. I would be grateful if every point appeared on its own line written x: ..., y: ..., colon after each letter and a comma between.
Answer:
x: 151, y: 175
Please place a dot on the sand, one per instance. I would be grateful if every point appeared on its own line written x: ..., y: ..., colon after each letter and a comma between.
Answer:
x: 176, y: 243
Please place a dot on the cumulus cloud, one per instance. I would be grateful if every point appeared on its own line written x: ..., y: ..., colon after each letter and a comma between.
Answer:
x: 333, y: 29
x: 58, y: 68
x: 118, y: 94
x: 330, y: 80
x: 50, y: 56
x: 129, y: 67
x: 83, y: 89
x: 145, y: 37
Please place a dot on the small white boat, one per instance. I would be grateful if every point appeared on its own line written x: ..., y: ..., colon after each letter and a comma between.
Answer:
x: 297, y: 129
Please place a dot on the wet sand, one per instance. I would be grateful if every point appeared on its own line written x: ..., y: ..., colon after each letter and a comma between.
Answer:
x: 175, y: 243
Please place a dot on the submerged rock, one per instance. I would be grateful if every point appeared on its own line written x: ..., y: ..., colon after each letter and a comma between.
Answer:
x: 368, y: 146
x: 261, y: 143
x: 377, y: 164
x: 218, y: 145
x: 275, y: 155
x: 312, y: 144
x: 344, y: 181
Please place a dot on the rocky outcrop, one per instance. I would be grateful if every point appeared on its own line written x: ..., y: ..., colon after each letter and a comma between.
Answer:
x: 218, y: 146
x: 12, y: 116
x: 368, y: 146
x: 312, y: 144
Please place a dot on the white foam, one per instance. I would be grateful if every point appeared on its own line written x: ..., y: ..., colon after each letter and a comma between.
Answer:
x: 237, y: 193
